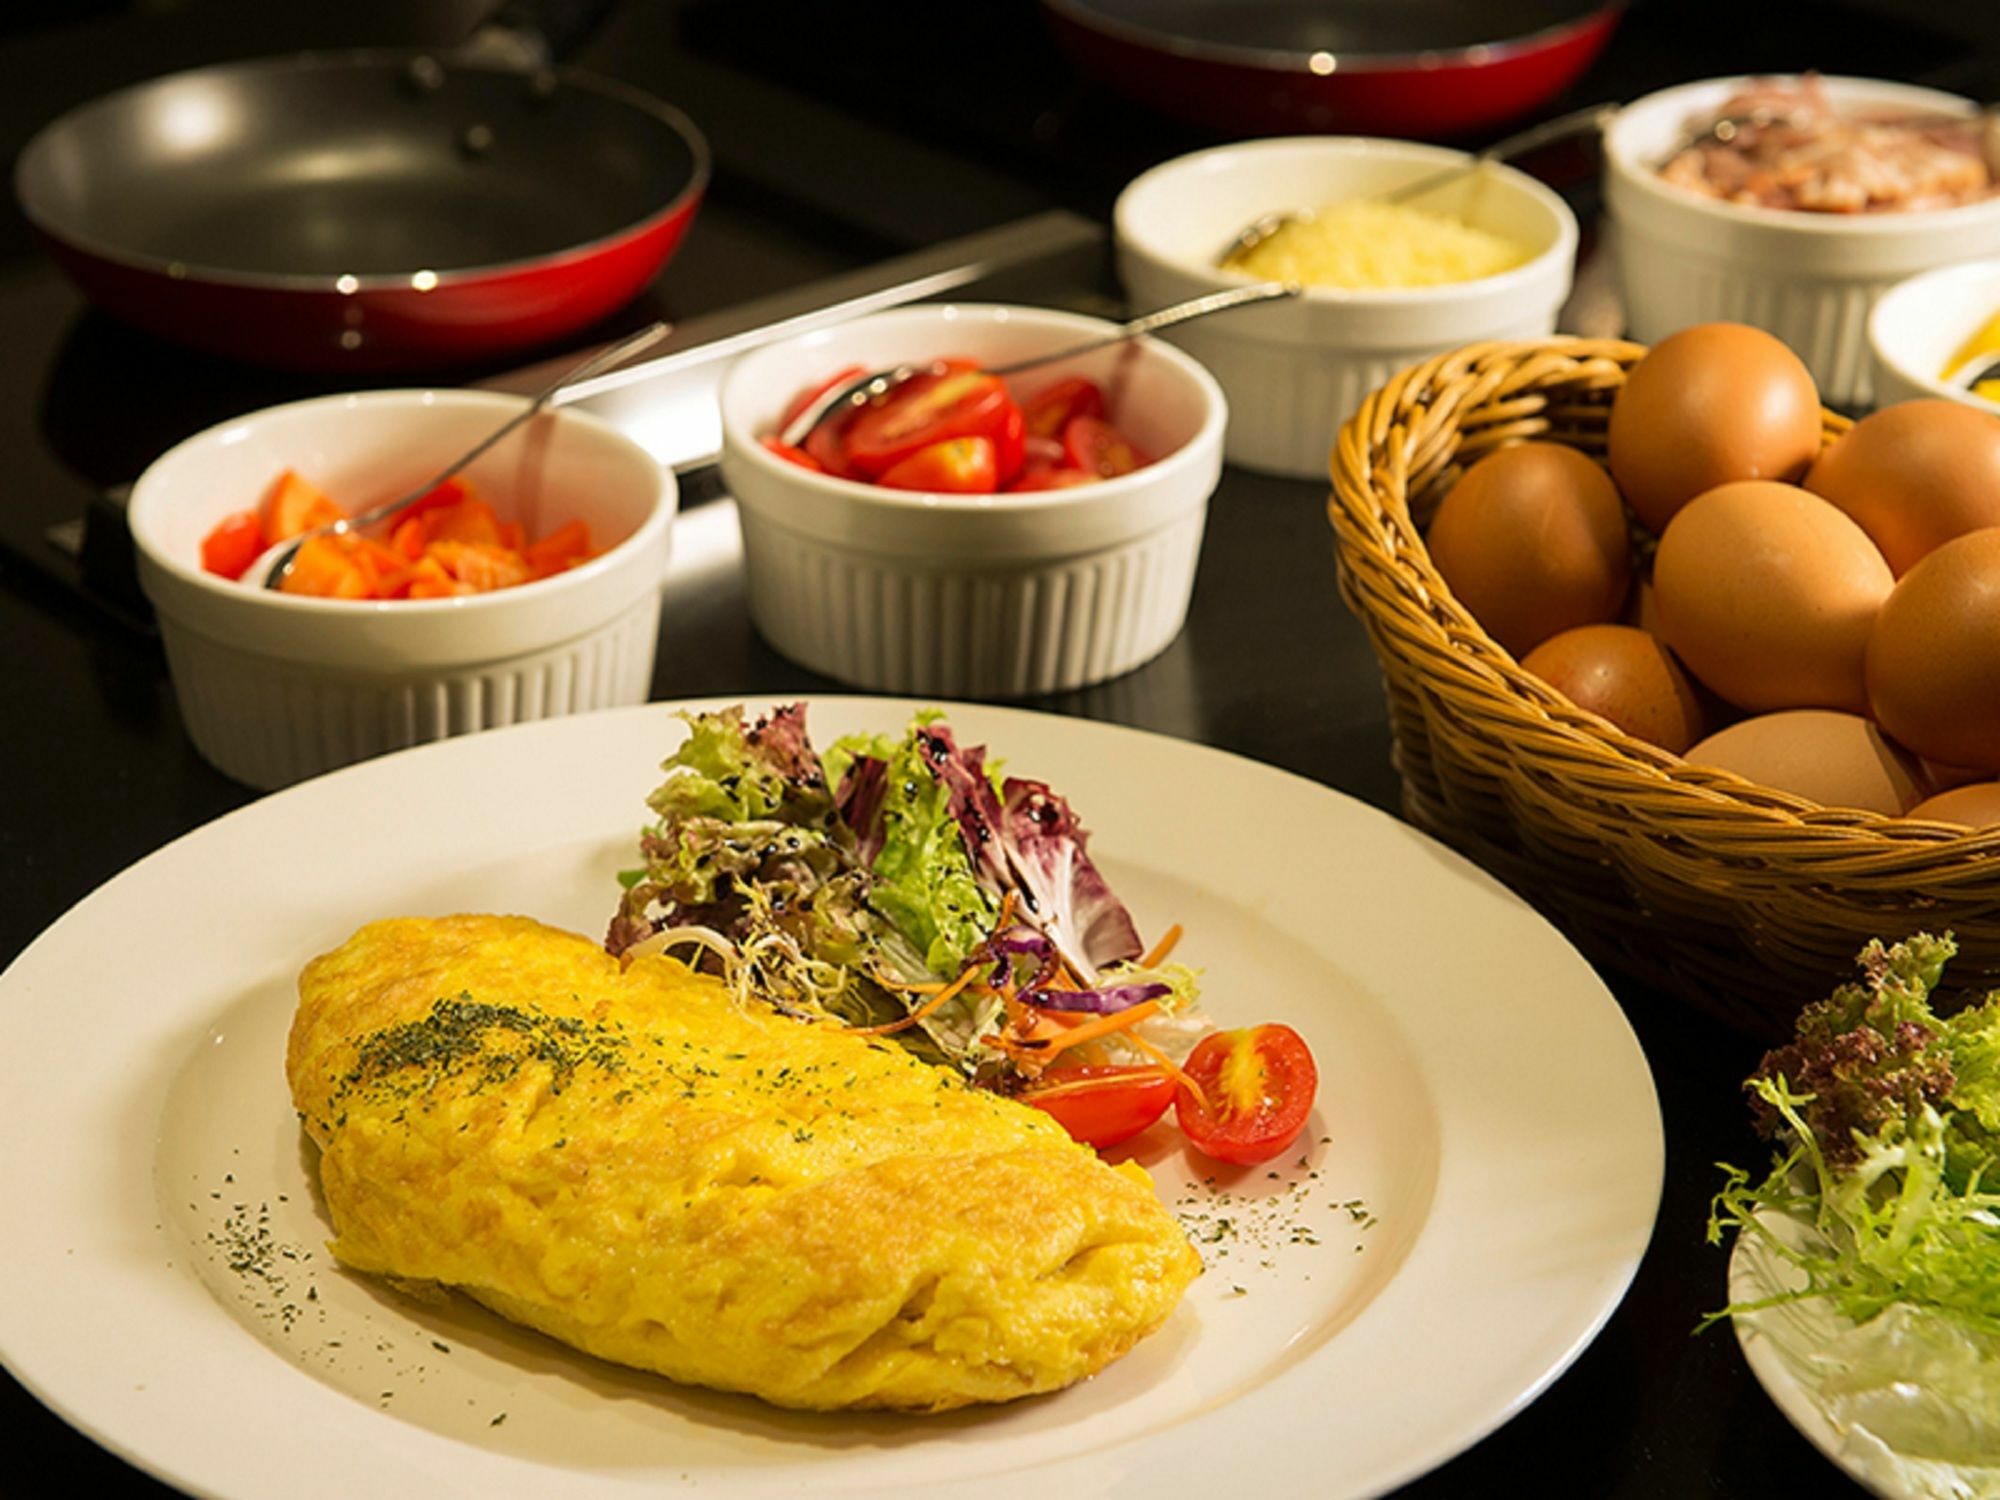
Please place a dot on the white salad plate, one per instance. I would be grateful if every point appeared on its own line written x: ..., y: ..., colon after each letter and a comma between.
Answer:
x: 1786, y: 1347
x: 1468, y: 1205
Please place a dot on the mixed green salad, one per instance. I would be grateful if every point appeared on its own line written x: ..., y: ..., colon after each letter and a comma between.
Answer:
x: 903, y: 886
x: 1883, y: 1203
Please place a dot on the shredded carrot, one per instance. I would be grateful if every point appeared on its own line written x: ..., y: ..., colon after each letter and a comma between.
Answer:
x: 930, y: 1005
x: 1090, y: 1031
x: 1168, y: 941
x: 1180, y: 1074
x: 1085, y: 1085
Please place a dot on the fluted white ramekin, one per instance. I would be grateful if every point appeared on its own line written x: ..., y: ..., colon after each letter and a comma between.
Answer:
x: 1920, y: 324
x: 1295, y: 370
x: 1810, y: 278
x: 277, y: 687
x: 975, y: 596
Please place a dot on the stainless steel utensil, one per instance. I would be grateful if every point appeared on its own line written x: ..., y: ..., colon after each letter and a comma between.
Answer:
x: 270, y: 570
x: 866, y: 388
x: 1595, y: 118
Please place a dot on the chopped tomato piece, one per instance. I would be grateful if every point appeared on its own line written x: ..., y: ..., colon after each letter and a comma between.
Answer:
x: 294, y: 505
x: 562, y: 548
x: 1099, y: 449
x: 1103, y: 1105
x: 471, y: 521
x: 1050, y: 410
x: 1256, y: 1089
x: 429, y: 580
x: 326, y: 570
x: 956, y: 466
x: 930, y: 408
x: 1010, y: 444
x: 480, y: 566
x: 236, y: 542
x: 408, y: 538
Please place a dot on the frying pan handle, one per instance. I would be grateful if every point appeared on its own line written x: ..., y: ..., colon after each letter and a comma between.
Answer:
x: 534, y: 33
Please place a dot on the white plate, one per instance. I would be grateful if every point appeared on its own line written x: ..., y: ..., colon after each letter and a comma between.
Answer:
x: 1780, y: 1343
x: 1482, y: 1099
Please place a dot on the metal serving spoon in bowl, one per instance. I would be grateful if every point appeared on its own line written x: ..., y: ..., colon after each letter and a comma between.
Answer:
x: 1595, y: 118
x: 276, y: 562
x: 863, y: 389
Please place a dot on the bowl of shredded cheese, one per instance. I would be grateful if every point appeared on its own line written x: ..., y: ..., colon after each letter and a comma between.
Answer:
x: 1486, y: 255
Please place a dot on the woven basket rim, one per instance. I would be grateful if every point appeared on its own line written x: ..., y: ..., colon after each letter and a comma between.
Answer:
x: 1381, y: 545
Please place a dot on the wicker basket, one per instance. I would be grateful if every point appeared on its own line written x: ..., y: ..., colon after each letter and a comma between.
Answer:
x: 1744, y: 901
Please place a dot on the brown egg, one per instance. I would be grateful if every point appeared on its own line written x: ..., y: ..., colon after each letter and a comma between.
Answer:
x: 1767, y: 594
x: 1834, y: 759
x: 1934, y: 656
x: 1709, y: 405
x: 1914, y: 476
x: 1626, y: 676
x: 1976, y: 806
x: 1532, y: 540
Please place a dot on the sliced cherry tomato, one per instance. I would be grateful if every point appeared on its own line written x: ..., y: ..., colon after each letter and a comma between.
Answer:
x: 565, y: 547
x: 471, y: 521
x: 294, y: 504
x: 1050, y: 411
x: 1257, y: 1088
x: 793, y: 455
x: 1102, y: 1105
x: 956, y: 466
x: 1097, y: 447
x: 928, y: 409
x: 812, y: 393
x: 235, y: 543
x: 826, y: 445
x: 1010, y: 444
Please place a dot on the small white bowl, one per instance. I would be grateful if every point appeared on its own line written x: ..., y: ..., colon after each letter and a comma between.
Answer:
x: 1921, y: 323
x: 975, y: 596
x: 1295, y: 370
x: 277, y: 687
x: 1810, y: 278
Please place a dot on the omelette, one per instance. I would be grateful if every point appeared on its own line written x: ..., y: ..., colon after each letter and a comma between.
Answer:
x: 634, y: 1161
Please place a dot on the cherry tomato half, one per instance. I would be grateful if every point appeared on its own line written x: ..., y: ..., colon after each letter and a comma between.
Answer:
x: 956, y: 466
x: 1257, y: 1088
x: 1050, y: 477
x: 1050, y: 411
x: 793, y: 455
x: 1102, y: 1105
x: 1100, y: 449
x: 930, y: 408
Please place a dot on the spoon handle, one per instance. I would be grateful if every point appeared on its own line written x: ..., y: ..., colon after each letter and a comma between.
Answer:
x: 280, y: 565
x: 1596, y: 117
x: 1166, y: 317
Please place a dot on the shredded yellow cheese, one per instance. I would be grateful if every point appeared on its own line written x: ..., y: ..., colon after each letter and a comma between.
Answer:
x: 1369, y: 244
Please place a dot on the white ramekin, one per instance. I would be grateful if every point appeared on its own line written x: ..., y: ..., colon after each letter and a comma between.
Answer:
x: 1809, y: 278
x: 277, y: 687
x: 975, y: 596
x: 1919, y: 324
x: 1294, y: 370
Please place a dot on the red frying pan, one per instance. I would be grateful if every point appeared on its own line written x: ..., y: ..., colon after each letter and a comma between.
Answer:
x: 365, y: 211
x: 1423, y: 68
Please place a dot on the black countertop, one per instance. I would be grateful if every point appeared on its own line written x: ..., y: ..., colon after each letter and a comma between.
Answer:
x: 823, y: 167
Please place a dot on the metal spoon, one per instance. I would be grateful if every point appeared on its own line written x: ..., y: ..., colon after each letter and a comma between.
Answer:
x: 270, y: 570
x: 866, y: 388
x: 1596, y: 117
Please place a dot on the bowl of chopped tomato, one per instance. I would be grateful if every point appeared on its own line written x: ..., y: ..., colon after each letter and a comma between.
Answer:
x: 526, y: 587
x: 969, y: 534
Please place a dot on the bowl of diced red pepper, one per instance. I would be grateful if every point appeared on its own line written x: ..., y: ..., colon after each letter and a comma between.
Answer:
x: 967, y: 533
x: 526, y: 587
